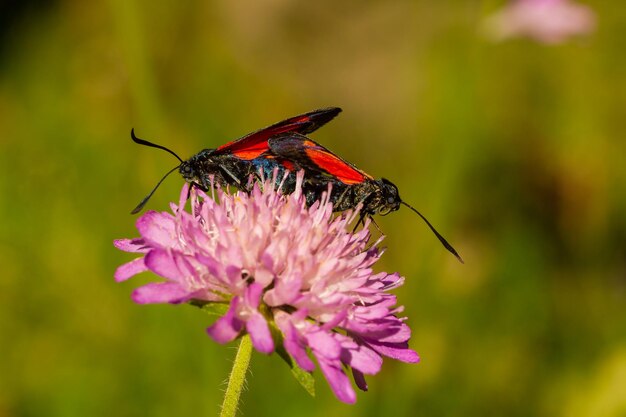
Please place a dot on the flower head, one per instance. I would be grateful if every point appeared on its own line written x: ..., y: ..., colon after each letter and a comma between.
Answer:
x: 277, y: 264
x: 546, y: 21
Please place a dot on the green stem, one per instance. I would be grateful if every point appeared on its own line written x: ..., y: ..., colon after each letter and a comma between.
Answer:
x: 237, y: 378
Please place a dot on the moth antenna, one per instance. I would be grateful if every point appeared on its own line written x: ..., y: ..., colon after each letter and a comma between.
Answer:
x: 443, y: 241
x: 153, y: 145
x: 146, y: 198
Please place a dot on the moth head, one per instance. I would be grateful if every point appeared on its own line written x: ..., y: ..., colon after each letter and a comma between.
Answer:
x: 389, y: 197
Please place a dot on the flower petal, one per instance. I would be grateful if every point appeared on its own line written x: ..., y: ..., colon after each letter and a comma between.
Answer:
x: 260, y: 333
x: 161, y: 292
x: 362, y: 358
x: 162, y: 263
x: 158, y: 229
x: 398, y: 351
x: 252, y: 295
x: 285, y: 291
x: 323, y: 343
x: 184, y: 193
x: 294, y: 344
x: 131, y: 245
x: 227, y: 327
x: 129, y: 269
x: 338, y: 381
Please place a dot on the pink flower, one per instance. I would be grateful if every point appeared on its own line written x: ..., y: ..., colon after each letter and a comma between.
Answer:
x: 546, y: 21
x: 276, y: 263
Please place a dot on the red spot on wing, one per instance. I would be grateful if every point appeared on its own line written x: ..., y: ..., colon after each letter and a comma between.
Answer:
x: 288, y: 164
x: 284, y: 162
x: 250, y: 153
x: 335, y: 166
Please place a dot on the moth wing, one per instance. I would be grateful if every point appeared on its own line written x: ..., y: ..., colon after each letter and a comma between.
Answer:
x: 254, y: 144
x: 303, y: 153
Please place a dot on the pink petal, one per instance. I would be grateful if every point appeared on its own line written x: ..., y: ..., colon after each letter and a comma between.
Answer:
x: 263, y: 276
x: 338, y: 381
x: 228, y: 327
x: 362, y: 358
x: 233, y: 274
x: 252, y: 297
x: 286, y: 290
x: 184, y: 192
x: 161, y: 292
x: 131, y: 245
x: 260, y: 333
x: 399, y: 351
x: 129, y: 269
x: 400, y: 334
x: 293, y: 343
x: 158, y: 229
x: 334, y: 321
x: 214, y: 267
x: 324, y: 344
x: 162, y: 263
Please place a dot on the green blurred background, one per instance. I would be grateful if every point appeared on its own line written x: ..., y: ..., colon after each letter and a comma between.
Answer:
x: 515, y: 151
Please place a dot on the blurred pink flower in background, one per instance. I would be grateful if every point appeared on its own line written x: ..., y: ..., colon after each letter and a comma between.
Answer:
x: 276, y: 263
x: 546, y: 21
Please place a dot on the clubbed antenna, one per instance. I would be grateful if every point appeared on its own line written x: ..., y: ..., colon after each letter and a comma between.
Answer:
x: 153, y: 145
x: 146, y: 198
x: 443, y: 241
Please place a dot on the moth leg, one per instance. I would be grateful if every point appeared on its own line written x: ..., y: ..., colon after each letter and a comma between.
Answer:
x: 373, y: 242
x: 363, y: 212
x: 260, y: 177
x: 377, y: 227
x: 232, y: 176
x: 360, y: 221
x: 198, y: 186
x: 341, y: 197
x: 193, y: 184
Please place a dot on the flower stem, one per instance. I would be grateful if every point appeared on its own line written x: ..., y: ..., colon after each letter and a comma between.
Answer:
x: 237, y: 378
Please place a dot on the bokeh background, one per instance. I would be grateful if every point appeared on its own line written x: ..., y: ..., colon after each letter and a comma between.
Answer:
x: 514, y: 150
